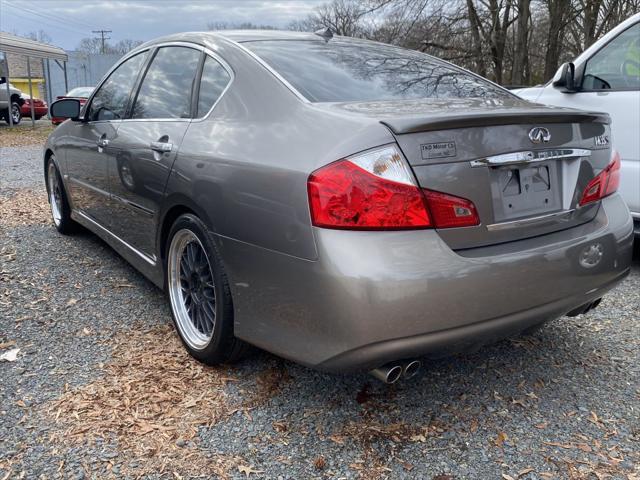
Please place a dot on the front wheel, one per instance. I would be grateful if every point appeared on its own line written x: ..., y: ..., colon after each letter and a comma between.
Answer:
x: 16, y: 114
x: 199, y: 293
x: 60, y: 209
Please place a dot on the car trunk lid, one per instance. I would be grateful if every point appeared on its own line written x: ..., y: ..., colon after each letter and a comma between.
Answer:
x: 524, y: 166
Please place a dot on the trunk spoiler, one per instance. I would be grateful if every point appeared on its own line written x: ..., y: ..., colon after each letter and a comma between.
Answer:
x: 402, y: 125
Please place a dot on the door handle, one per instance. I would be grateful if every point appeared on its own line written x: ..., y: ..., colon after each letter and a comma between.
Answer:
x: 162, y: 147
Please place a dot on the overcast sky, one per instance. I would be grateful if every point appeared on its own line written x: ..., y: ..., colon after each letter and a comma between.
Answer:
x: 66, y: 22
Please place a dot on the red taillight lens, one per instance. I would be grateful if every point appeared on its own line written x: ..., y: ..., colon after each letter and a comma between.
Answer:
x: 376, y: 190
x: 449, y: 211
x: 372, y: 191
x: 605, y: 183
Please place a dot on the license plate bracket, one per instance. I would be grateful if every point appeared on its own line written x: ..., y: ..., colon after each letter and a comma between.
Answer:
x: 523, y: 190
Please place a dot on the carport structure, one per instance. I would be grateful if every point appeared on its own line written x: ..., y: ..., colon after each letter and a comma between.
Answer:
x: 31, y: 49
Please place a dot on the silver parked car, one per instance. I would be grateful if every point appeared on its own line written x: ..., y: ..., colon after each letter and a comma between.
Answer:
x: 17, y: 100
x: 338, y: 202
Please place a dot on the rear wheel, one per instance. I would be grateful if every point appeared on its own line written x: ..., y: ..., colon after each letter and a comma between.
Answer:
x: 199, y: 293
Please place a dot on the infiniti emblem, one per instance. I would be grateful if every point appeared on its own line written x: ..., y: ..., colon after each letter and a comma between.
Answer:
x: 591, y: 255
x: 539, y: 135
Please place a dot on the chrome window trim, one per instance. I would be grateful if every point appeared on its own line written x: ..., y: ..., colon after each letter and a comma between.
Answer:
x: 89, y: 101
x: 268, y: 67
x: 530, y: 221
x: 530, y: 156
x: 150, y: 260
x: 195, y: 46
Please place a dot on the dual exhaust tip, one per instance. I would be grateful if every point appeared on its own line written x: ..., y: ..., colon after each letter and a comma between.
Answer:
x: 392, y: 372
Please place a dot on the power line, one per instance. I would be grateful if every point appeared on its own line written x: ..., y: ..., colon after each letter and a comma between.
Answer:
x: 80, y: 23
x: 24, y: 15
x: 65, y: 23
x: 102, y: 33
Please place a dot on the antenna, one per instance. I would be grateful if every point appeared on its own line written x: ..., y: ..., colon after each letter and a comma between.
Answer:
x: 325, y: 33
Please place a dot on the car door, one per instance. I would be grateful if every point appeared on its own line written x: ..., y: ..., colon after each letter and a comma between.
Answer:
x: 610, y: 82
x: 148, y: 142
x: 88, y: 146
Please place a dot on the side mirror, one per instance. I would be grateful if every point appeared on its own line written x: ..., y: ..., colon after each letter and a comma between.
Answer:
x: 65, y: 108
x: 564, y: 79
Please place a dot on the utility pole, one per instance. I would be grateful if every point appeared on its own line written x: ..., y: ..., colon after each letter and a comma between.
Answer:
x: 102, y: 36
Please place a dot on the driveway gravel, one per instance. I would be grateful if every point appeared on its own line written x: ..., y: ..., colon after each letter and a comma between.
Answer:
x: 101, y: 387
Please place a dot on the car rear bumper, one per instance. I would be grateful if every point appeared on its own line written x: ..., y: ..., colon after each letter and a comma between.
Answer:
x: 374, y: 297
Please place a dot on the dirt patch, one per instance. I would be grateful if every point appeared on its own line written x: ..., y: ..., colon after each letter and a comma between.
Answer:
x: 23, y: 135
x: 150, y: 403
x: 24, y: 207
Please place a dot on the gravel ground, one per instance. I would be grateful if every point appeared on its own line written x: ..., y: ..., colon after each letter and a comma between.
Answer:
x: 83, y: 399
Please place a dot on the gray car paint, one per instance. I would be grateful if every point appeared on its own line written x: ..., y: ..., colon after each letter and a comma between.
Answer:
x: 328, y: 298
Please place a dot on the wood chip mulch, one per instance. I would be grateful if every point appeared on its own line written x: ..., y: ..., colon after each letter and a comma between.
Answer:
x: 24, y: 207
x: 151, y: 401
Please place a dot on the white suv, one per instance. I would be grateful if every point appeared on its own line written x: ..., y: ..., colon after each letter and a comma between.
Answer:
x: 606, y: 77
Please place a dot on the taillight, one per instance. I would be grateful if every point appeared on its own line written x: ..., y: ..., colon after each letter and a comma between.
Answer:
x: 605, y: 183
x: 376, y: 190
x: 449, y: 211
x: 371, y: 191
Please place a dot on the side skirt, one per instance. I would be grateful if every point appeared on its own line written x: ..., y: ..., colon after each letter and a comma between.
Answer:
x: 148, y: 266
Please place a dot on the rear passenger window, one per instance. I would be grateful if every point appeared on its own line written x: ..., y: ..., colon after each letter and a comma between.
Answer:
x: 214, y: 80
x: 166, y: 89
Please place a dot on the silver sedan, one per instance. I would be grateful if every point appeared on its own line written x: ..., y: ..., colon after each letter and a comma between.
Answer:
x: 342, y: 203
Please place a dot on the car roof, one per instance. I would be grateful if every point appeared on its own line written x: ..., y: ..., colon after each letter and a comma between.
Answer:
x: 255, y: 35
x: 238, y: 36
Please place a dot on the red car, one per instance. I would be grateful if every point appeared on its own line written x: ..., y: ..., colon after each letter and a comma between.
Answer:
x: 81, y: 93
x: 40, y: 107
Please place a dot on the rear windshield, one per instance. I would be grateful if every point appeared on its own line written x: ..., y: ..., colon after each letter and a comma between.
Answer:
x: 346, y: 71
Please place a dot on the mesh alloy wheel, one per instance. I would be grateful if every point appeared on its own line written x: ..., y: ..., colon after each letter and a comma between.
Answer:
x: 191, y: 289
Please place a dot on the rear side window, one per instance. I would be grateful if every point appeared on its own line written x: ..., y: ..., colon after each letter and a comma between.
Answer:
x: 166, y: 89
x: 110, y: 101
x: 345, y: 71
x: 213, y: 82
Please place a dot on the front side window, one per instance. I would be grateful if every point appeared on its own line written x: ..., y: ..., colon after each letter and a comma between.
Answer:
x: 346, y: 71
x: 617, y: 65
x: 213, y: 82
x: 166, y: 89
x: 110, y: 101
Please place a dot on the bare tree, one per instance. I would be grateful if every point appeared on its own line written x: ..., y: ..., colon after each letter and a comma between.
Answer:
x: 238, y: 26
x: 520, y: 68
x: 510, y: 41
x: 40, y: 36
x: 125, y: 46
x: 93, y: 45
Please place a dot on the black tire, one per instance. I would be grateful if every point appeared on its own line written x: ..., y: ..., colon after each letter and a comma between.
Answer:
x: 62, y: 220
x: 15, y: 108
x: 222, y: 346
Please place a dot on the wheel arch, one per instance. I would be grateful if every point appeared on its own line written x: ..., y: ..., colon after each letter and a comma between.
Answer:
x: 176, y: 206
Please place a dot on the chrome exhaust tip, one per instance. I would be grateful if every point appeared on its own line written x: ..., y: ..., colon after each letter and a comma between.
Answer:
x: 388, y: 374
x: 411, y: 369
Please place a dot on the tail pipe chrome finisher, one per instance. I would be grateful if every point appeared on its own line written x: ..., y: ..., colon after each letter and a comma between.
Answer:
x: 389, y: 373
x: 411, y: 368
